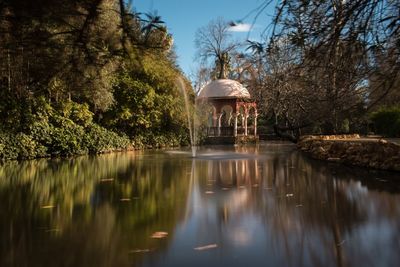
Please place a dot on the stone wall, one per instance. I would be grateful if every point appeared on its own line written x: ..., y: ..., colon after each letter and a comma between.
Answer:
x: 353, y: 150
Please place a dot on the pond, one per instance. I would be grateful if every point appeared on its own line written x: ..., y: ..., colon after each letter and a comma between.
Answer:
x: 264, y: 205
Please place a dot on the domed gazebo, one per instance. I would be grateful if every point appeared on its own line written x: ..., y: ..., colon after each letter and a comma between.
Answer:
x: 232, y: 115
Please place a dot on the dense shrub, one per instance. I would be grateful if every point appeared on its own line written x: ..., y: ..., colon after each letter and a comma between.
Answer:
x: 68, y: 130
x: 72, y: 139
x: 78, y: 113
x: 387, y: 121
x: 20, y: 146
x: 158, y: 140
x: 98, y: 139
x: 8, y: 149
x: 67, y: 139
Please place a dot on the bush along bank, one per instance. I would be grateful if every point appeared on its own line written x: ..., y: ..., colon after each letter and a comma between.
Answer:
x: 69, y: 130
x: 351, y: 150
x: 59, y: 134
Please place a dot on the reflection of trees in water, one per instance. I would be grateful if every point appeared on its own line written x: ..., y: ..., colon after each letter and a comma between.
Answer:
x: 103, y: 207
x: 306, y: 211
x: 310, y: 214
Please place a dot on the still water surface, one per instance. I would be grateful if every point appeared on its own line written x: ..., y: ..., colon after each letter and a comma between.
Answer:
x: 265, y: 205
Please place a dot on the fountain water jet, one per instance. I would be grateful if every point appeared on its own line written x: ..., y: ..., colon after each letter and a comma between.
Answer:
x: 190, y: 118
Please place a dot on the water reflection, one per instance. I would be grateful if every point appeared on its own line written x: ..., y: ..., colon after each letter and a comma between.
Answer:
x: 254, y: 205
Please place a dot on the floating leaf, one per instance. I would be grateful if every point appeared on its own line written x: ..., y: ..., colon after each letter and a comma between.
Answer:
x: 52, y: 230
x: 125, y: 199
x: 159, y: 235
x: 209, y: 192
x: 106, y: 180
x: 146, y: 250
x: 48, y: 207
x: 289, y: 195
x: 211, y: 246
x: 341, y: 243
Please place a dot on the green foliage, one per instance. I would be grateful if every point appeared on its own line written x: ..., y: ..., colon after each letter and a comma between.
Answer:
x: 158, y: 140
x: 149, y: 105
x: 78, y: 113
x: 67, y: 138
x: 8, y: 150
x: 20, y: 146
x: 98, y: 139
x: 345, y: 126
x: 136, y: 109
x: 104, y: 89
x: 387, y: 121
x: 63, y: 131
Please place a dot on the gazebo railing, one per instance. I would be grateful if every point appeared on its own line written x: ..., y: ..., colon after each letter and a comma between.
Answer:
x: 228, y: 131
x: 224, y: 131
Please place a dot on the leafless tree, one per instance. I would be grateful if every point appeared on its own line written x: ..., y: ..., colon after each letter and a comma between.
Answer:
x: 345, y: 60
x: 214, y: 42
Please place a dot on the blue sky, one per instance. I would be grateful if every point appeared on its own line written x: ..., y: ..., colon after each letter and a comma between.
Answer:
x: 184, y: 17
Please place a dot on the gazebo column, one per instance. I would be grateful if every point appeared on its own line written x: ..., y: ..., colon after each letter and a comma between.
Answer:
x: 242, y: 125
x: 214, y: 125
x: 245, y: 124
x: 255, y: 124
x: 219, y: 123
x: 235, y: 124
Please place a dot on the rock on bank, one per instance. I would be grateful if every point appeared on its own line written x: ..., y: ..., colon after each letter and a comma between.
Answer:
x: 353, y: 150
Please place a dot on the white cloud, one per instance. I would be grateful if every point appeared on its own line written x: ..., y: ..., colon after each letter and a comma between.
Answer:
x: 240, y: 27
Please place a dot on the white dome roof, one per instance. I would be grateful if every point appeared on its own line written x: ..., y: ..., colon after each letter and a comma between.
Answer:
x: 224, y: 88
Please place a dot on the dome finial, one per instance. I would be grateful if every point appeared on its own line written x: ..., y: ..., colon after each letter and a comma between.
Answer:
x: 222, y: 64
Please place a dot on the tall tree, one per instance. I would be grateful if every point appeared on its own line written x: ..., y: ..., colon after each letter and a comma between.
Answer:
x: 344, y: 51
x: 214, y: 42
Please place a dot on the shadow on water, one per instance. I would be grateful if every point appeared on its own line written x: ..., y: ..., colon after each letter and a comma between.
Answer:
x: 246, y: 205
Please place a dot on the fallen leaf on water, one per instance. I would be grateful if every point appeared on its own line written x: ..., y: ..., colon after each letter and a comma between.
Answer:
x: 209, y: 192
x: 289, y: 195
x: 206, y: 247
x: 125, y: 199
x: 52, y: 230
x: 48, y: 207
x: 159, y: 235
x: 106, y: 180
x: 140, y: 250
x: 341, y: 243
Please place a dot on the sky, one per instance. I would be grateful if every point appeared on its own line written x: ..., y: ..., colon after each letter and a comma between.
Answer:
x: 184, y: 17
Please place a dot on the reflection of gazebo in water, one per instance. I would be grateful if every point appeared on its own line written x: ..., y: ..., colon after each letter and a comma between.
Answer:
x: 232, y: 116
